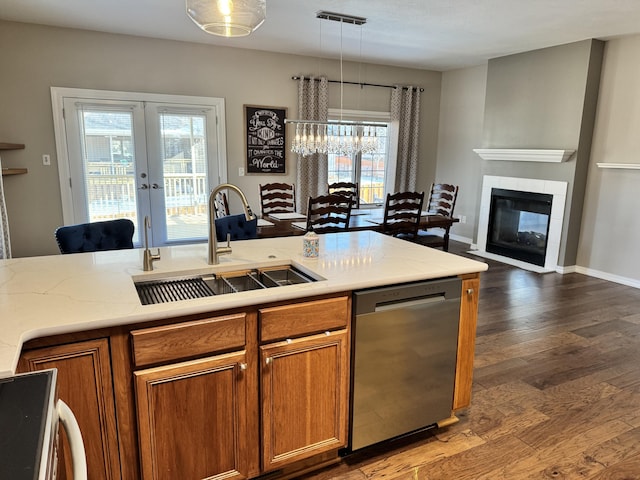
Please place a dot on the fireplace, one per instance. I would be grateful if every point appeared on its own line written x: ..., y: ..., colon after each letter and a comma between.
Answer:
x: 527, y: 229
x: 519, y: 225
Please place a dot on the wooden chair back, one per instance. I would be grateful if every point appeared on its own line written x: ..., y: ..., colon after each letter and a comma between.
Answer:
x: 221, y: 205
x: 402, y: 213
x: 442, y: 199
x: 277, y: 198
x: 328, y: 213
x: 349, y: 189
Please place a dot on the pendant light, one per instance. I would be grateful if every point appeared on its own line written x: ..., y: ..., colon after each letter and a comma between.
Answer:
x: 227, y: 18
x: 335, y: 137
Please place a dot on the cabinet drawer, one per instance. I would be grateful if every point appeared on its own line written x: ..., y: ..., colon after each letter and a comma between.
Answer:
x: 188, y: 339
x: 303, y: 318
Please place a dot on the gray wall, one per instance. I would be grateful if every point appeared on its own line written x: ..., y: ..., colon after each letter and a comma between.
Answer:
x: 545, y: 99
x: 461, y: 120
x: 611, y: 224
x: 34, y: 58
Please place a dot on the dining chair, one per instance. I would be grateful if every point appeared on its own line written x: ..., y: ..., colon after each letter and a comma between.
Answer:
x: 221, y: 205
x: 442, y: 201
x: 402, y: 212
x: 328, y: 213
x: 114, y: 234
x: 349, y: 189
x: 237, y: 226
x: 277, y: 198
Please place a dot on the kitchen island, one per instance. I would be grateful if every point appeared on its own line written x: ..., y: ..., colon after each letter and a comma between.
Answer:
x: 51, y: 305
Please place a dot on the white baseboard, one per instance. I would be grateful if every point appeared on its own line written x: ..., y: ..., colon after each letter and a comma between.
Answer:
x: 461, y: 239
x: 631, y: 282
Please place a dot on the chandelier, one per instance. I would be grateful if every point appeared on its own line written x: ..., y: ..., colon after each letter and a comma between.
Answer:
x: 335, y: 137
x: 227, y: 18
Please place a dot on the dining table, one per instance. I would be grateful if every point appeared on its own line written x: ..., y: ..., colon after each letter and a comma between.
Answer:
x: 290, y: 224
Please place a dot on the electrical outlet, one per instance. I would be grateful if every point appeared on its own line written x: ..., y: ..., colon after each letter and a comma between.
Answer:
x: 241, y: 171
x: 463, y: 219
x: 46, y: 160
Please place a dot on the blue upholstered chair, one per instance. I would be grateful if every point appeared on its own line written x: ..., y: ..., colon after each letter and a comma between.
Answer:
x: 96, y: 236
x: 237, y: 226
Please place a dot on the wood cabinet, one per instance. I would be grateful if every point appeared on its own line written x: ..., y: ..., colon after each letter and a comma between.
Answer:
x: 466, y: 341
x: 304, y: 397
x: 194, y: 416
x: 219, y: 416
x: 85, y: 384
x: 192, y: 419
x: 304, y: 379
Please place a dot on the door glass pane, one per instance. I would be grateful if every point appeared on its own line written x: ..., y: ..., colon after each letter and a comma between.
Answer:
x: 184, y: 160
x: 109, y: 164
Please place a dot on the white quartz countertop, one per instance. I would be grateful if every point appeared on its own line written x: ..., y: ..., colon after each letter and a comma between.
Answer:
x: 41, y: 296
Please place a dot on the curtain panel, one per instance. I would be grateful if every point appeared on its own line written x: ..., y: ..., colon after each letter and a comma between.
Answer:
x: 5, y: 244
x: 405, y: 129
x: 311, y: 170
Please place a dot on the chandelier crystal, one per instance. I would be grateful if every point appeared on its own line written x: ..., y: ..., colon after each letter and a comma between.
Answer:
x: 227, y: 18
x: 340, y: 138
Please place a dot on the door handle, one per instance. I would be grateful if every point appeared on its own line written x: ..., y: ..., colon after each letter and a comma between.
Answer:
x: 144, y: 186
x: 155, y: 186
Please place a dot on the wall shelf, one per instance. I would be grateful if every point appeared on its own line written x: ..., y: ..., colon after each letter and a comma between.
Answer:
x: 11, y: 146
x: 8, y: 170
x: 628, y: 166
x: 13, y: 171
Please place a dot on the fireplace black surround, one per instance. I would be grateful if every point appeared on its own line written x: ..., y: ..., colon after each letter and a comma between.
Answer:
x: 519, y: 225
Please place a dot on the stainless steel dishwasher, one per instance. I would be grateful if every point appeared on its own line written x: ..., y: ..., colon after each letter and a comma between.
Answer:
x: 404, y: 358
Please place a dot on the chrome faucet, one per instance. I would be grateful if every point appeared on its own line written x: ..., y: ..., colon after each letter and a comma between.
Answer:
x: 214, y: 250
x: 149, y: 258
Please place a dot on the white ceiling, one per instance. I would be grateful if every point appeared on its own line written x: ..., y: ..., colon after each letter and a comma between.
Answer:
x: 427, y: 34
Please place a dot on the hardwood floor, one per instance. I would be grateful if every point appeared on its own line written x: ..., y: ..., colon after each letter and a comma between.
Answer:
x: 556, y: 389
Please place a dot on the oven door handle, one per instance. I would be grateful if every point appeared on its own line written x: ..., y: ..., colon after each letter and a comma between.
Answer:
x: 70, y: 424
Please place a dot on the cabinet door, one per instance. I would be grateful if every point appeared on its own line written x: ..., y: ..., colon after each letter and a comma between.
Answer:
x: 466, y: 342
x: 85, y: 384
x: 304, y: 397
x: 192, y: 419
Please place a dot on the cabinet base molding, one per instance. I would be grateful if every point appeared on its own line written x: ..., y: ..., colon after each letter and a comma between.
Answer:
x: 304, y: 466
x: 448, y: 421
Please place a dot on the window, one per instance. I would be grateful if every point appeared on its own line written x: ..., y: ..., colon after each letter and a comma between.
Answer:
x: 369, y: 170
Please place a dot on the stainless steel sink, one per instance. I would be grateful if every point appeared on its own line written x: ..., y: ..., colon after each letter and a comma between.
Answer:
x: 176, y: 288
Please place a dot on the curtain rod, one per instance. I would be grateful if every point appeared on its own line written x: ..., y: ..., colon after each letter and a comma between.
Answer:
x: 361, y: 84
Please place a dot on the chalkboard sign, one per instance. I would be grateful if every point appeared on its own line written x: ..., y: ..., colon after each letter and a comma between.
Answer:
x: 266, y: 139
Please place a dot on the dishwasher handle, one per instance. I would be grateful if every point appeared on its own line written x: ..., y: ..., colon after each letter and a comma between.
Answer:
x: 414, y: 302
x: 395, y: 296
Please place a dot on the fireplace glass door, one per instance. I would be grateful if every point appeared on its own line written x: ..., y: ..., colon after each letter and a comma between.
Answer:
x: 519, y: 225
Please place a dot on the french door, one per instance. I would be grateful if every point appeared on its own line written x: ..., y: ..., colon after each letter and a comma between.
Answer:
x: 139, y: 156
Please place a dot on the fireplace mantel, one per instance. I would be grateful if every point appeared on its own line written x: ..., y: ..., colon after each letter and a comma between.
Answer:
x: 524, y: 155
